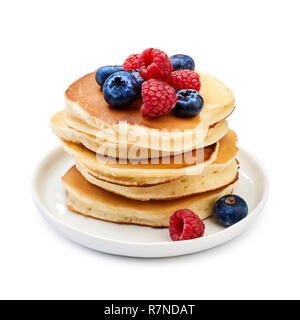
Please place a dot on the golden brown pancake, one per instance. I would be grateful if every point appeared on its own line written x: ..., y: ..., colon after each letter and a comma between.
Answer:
x: 222, y: 172
x: 85, y: 102
x: 140, y: 174
x: 87, y: 93
x: 90, y: 200
x: 93, y: 143
x: 213, y: 177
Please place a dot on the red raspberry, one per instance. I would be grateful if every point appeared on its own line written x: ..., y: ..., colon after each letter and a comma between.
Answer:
x: 155, y: 64
x: 185, y: 79
x: 158, y: 97
x: 185, y: 225
x: 132, y: 62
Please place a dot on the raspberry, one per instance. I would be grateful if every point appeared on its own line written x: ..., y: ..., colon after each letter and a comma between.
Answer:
x: 185, y: 79
x: 155, y: 64
x: 158, y: 97
x: 185, y: 225
x: 132, y: 62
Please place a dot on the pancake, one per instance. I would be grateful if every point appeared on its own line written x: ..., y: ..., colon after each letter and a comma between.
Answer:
x: 131, y: 174
x: 213, y: 177
x: 222, y: 172
x: 142, y: 174
x: 87, y: 135
x: 90, y: 200
x: 85, y: 102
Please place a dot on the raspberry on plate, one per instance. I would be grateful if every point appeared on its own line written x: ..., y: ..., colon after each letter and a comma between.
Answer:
x: 185, y: 79
x: 132, y: 62
x: 158, y: 98
x: 155, y: 64
x: 185, y: 225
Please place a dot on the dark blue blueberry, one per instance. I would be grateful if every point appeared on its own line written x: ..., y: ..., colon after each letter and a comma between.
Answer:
x: 182, y: 62
x: 104, y: 72
x: 189, y: 103
x: 120, y: 89
x: 230, y: 209
x: 138, y: 78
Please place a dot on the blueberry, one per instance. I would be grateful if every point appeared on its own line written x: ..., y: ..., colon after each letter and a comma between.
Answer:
x: 120, y: 89
x: 104, y: 72
x: 182, y: 62
x: 230, y: 209
x: 138, y: 77
x: 189, y: 103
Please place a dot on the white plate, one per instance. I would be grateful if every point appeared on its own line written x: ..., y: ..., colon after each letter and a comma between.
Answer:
x: 139, y: 241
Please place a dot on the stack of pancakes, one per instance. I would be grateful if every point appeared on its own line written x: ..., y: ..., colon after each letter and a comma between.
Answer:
x: 133, y: 169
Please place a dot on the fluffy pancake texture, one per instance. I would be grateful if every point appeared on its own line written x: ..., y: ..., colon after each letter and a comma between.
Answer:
x: 223, y: 171
x: 85, y: 101
x: 90, y: 200
x: 213, y: 177
x: 142, y: 174
x: 87, y: 135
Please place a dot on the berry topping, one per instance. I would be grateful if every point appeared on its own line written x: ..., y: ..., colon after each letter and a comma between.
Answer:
x: 182, y: 62
x: 155, y: 64
x: 132, y: 62
x: 230, y: 209
x: 104, y: 72
x: 185, y: 79
x: 120, y: 89
x: 189, y: 103
x: 158, y: 97
x: 185, y: 225
x: 138, y: 78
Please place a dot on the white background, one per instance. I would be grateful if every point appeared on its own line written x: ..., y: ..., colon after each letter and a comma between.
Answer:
x: 252, y: 46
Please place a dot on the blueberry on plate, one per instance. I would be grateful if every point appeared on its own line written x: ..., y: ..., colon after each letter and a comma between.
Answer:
x: 120, y: 89
x: 230, y: 209
x: 189, y: 103
x: 182, y: 62
x: 104, y: 72
x: 138, y: 77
